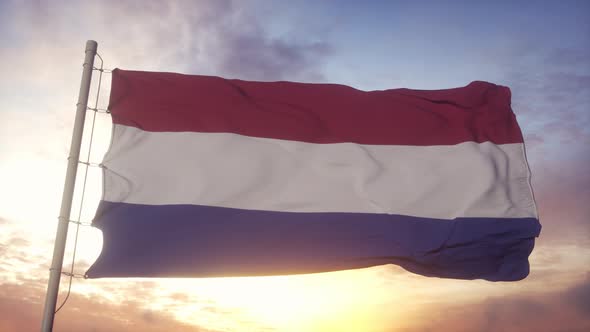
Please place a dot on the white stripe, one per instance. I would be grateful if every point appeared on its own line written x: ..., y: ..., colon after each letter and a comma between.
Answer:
x: 229, y: 170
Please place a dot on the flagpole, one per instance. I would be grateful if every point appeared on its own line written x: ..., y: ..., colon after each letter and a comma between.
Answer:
x: 68, y: 194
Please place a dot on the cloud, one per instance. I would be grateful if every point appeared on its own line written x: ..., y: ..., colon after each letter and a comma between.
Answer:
x: 562, y: 190
x: 14, y: 249
x: 549, y: 85
x: 220, y: 38
x: 568, y: 57
x: 257, y: 58
x: 579, y: 297
x: 213, y: 37
x: 533, y: 141
x: 568, y: 82
x: 21, y: 307
x: 18, y: 242
x: 551, y: 88
x: 180, y: 297
x: 565, y: 310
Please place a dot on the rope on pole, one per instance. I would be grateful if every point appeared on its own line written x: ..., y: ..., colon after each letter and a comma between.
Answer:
x: 87, y: 163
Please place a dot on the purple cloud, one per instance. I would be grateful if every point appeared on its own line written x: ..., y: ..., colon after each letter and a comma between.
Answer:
x: 256, y: 57
x: 579, y: 297
x: 562, y: 310
x: 569, y: 57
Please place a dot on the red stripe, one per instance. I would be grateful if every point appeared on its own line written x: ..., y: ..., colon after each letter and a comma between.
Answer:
x: 315, y: 113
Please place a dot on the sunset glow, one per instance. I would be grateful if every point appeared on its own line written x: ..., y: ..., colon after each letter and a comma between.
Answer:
x: 539, y: 50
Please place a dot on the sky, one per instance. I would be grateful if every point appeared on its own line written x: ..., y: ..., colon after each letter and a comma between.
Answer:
x: 540, y: 49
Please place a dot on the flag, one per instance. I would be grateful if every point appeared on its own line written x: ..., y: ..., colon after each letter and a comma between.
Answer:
x: 209, y: 177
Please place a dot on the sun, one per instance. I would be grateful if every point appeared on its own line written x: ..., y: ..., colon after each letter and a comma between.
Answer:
x: 335, y: 301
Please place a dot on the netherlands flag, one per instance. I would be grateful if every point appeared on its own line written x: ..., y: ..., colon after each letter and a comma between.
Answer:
x: 210, y: 177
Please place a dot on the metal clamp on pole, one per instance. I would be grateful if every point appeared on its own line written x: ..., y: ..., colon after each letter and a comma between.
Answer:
x: 68, y: 194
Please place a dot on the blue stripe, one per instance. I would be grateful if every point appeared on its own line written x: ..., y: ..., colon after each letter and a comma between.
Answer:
x: 204, y: 241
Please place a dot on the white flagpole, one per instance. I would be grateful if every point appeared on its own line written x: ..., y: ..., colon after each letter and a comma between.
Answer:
x: 68, y: 194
